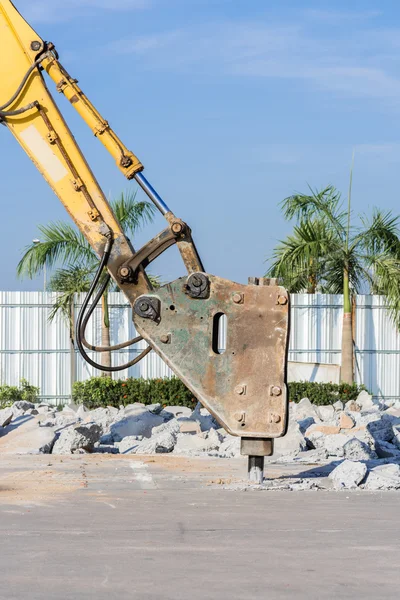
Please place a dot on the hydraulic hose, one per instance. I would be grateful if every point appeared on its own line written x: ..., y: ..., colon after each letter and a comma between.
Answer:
x: 82, y: 322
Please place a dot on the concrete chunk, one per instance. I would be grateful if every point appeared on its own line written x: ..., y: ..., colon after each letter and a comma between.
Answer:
x: 348, y: 475
x: 384, y: 477
x: 346, y: 421
x: 79, y: 437
x: 355, y: 449
x: 6, y: 416
x: 326, y: 412
x: 139, y: 424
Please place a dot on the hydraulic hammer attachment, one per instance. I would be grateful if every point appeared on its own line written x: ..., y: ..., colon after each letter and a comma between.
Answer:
x: 241, y: 381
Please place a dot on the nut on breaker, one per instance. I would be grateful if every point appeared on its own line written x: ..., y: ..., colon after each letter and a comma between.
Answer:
x: 275, y: 390
x: 240, y: 390
x: 238, y: 298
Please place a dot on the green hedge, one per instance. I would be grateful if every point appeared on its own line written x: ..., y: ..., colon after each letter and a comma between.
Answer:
x: 103, y: 391
x: 11, y: 393
x: 323, y: 393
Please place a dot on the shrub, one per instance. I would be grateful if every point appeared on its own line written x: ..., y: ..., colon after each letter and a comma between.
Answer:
x: 11, y: 393
x: 323, y: 393
x: 103, y: 391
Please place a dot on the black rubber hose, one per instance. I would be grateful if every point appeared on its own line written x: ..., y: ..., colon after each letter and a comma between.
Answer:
x: 79, y: 324
x: 23, y: 82
x: 13, y: 113
x: 85, y: 321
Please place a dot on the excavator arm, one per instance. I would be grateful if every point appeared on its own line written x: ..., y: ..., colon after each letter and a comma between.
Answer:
x: 243, y: 385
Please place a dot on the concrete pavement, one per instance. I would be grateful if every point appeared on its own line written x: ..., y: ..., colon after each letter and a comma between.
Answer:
x: 165, y: 528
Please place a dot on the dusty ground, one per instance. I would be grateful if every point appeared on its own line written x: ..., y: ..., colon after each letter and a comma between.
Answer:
x: 168, y: 528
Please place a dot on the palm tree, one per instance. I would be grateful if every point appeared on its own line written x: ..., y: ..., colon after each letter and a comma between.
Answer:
x: 63, y: 243
x: 328, y: 253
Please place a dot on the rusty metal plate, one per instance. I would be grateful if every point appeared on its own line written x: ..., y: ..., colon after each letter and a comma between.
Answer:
x: 245, y: 386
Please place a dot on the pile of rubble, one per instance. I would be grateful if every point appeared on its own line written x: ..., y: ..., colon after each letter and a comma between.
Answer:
x: 133, y: 429
x: 360, y: 440
x: 358, y: 443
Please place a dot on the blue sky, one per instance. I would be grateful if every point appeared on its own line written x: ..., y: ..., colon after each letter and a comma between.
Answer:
x: 231, y: 105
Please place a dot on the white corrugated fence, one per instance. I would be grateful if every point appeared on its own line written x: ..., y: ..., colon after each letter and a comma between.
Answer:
x: 39, y: 351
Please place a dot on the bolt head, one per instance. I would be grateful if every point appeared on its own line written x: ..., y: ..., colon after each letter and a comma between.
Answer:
x: 274, y: 418
x: 276, y: 390
x: 124, y: 272
x: 237, y: 298
x: 282, y: 300
x: 36, y: 45
x: 144, y: 306
x: 177, y: 227
x: 240, y: 416
x: 164, y: 339
x: 240, y: 389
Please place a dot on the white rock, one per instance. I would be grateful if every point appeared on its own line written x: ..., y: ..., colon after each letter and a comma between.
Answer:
x: 355, y: 449
x: 293, y: 441
x: 44, y: 409
x: 386, y: 450
x: 128, y: 444
x: 132, y: 425
x: 172, y: 426
x: 82, y: 412
x: 162, y: 443
x: 305, y: 409
x: 6, y: 416
x: 204, y: 419
x: 381, y: 429
x: 315, y: 439
x: 384, y: 477
x: 75, y: 438
x: 230, y: 447
x: 305, y: 424
x: 326, y: 412
x: 179, y: 411
x: 32, y: 411
x: 103, y: 417
x: 194, y: 444
x: 338, y: 406
x: 23, y: 405
x: 348, y: 475
x: 365, y: 400
x: 334, y: 444
x: 154, y: 408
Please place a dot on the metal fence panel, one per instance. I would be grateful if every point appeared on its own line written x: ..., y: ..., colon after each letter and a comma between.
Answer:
x: 39, y: 350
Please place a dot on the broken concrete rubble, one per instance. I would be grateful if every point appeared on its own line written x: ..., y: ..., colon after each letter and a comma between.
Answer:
x: 327, y: 436
x: 6, y: 416
x: 348, y: 474
x: 77, y: 437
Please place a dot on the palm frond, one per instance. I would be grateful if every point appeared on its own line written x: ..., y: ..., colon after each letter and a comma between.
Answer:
x: 60, y: 242
x: 131, y: 213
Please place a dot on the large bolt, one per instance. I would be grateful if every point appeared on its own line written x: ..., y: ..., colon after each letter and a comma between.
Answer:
x: 240, y: 416
x: 274, y: 418
x: 164, y: 339
x: 240, y: 389
x: 177, y: 227
x: 275, y: 390
x: 282, y: 300
x: 125, y: 271
x: 144, y: 306
x: 237, y: 298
